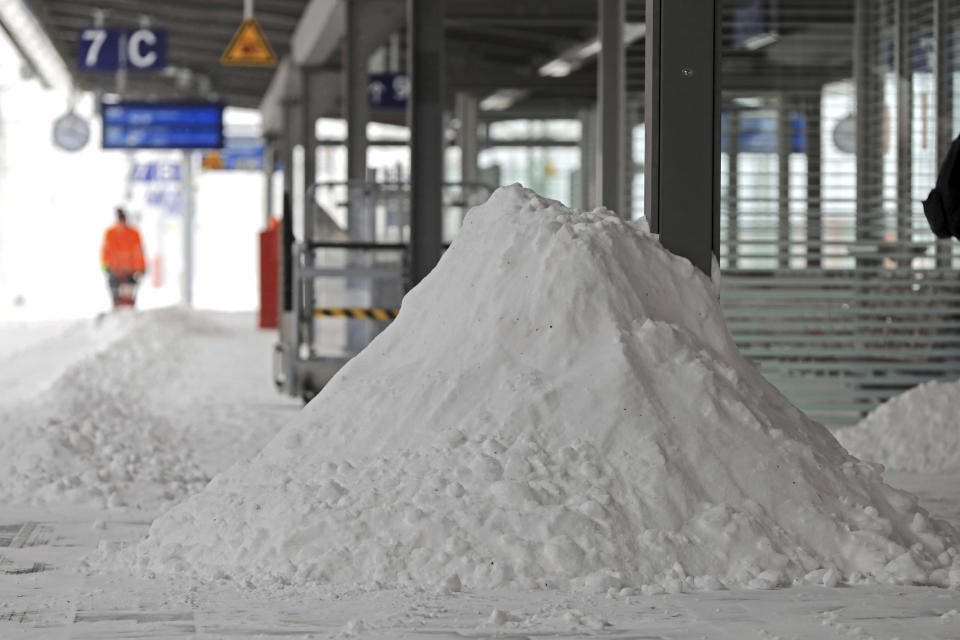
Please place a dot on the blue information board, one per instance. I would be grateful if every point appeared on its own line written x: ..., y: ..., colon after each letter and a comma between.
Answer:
x: 243, y: 154
x: 111, y: 49
x: 388, y: 90
x: 162, y: 125
x: 758, y: 133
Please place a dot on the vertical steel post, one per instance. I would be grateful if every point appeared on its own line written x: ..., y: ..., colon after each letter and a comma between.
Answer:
x: 289, y: 113
x: 611, y: 106
x: 733, y: 186
x: 814, y: 151
x: 784, y: 144
x: 356, y: 106
x: 588, y: 159
x: 425, y: 23
x: 903, y: 71
x: 944, y: 109
x: 682, y: 194
x: 869, y: 136
x: 269, y: 161
x: 186, y: 184
x: 308, y: 137
x: 466, y: 108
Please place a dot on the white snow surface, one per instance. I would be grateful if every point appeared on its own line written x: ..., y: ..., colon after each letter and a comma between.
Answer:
x: 558, y: 405
x: 918, y: 430
x: 90, y: 437
x: 132, y: 409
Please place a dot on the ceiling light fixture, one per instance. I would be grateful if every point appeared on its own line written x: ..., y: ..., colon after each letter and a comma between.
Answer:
x: 502, y: 99
x: 573, y: 58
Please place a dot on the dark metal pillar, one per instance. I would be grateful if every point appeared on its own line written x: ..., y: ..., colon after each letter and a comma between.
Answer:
x: 288, y: 322
x: 356, y: 107
x: 308, y: 138
x: 587, y: 189
x: 733, y: 187
x: 784, y: 144
x: 188, y: 192
x: 903, y: 71
x: 466, y: 108
x: 425, y: 22
x: 814, y: 152
x: 869, y: 141
x: 289, y: 142
x: 944, y: 109
x: 269, y: 162
x: 611, y: 106
x: 683, y: 127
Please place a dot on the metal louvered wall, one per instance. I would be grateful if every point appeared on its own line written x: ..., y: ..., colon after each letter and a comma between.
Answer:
x: 835, y: 116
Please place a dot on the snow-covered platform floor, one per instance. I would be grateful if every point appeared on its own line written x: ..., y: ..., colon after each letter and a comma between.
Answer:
x: 221, y: 406
x: 45, y: 593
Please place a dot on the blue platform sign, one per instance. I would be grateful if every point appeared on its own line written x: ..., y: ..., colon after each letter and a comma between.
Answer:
x: 758, y: 133
x: 156, y: 172
x: 388, y: 90
x: 243, y: 154
x: 162, y: 125
x: 112, y: 49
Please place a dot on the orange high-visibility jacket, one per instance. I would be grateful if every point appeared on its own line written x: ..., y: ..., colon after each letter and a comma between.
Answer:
x: 122, y: 249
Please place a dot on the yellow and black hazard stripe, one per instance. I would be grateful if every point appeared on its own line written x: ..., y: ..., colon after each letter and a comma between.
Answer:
x: 353, y: 312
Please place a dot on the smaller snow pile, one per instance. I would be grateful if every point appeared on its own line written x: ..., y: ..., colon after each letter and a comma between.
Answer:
x: 918, y: 430
x: 91, y: 437
x: 558, y: 405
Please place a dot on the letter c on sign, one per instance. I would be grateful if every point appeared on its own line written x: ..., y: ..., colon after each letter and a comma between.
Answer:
x: 138, y: 37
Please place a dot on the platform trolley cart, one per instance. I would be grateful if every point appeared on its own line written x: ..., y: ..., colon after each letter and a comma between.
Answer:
x: 343, y: 281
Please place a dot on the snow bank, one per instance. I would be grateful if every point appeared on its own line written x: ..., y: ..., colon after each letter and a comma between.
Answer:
x: 90, y: 437
x: 919, y: 430
x: 558, y: 405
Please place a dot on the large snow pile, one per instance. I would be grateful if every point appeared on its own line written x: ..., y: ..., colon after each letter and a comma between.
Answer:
x: 559, y: 404
x: 91, y: 437
x: 919, y: 430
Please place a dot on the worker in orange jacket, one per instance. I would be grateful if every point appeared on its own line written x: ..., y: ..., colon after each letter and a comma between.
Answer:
x: 122, y: 259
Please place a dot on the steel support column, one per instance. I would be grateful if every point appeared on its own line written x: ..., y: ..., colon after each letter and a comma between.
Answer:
x: 814, y: 151
x: 611, y: 107
x: 944, y: 109
x: 425, y: 22
x: 289, y: 142
x: 588, y: 160
x: 784, y: 143
x: 187, y: 195
x: 733, y: 186
x: 288, y: 321
x: 269, y: 162
x: 682, y: 194
x: 903, y: 71
x: 356, y: 106
x: 869, y: 137
x: 308, y: 138
x: 466, y: 108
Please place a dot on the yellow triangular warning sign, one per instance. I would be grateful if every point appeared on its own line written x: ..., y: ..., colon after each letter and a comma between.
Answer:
x: 249, y: 47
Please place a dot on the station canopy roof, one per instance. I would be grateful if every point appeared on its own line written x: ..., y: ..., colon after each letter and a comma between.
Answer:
x: 491, y: 47
x: 197, y: 34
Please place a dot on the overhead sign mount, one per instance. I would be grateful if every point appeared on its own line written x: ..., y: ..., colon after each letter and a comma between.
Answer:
x: 249, y: 47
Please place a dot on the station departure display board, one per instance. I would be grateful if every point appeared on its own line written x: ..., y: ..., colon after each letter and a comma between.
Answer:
x: 162, y: 125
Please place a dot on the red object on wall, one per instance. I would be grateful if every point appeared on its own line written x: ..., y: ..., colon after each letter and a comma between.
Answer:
x: 270, y: 276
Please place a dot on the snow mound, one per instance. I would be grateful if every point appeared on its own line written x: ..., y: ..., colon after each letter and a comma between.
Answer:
x: 559, y: 405
x: 91, y: 438
x: 918, y: 430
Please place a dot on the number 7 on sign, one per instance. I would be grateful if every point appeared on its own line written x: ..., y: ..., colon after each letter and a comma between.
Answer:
x: 96, y: 38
